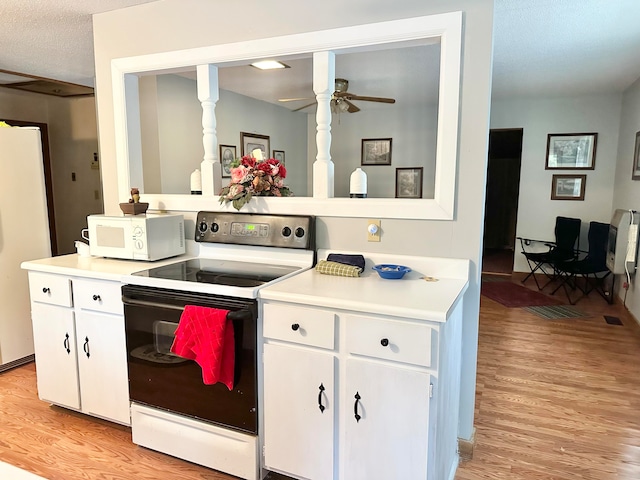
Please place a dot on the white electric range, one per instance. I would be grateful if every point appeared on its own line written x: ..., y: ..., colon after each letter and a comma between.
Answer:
x: 172, y: 410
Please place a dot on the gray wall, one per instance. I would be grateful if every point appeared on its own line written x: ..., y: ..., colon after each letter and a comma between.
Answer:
x: 539, y: 117
x: 627, y: 191
x: 143, y: 29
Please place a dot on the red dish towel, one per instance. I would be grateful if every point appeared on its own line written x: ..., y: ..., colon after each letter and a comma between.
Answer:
x: 206, y: 336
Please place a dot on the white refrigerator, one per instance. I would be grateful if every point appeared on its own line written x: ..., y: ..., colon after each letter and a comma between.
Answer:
x: 24, y: 235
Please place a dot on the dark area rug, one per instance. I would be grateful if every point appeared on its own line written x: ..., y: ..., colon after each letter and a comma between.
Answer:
x: 514, y: 296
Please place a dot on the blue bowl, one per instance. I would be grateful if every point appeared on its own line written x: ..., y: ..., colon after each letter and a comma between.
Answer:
x: 390, y: 271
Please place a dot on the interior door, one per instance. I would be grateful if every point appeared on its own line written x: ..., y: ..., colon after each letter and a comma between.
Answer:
x: 390, y: 437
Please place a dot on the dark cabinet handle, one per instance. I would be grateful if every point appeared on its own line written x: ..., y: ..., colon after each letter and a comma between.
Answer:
x: 355, y: 407
x: 295, y: 327
x: 85, y: 347
x: 96, y: 298
x: 46, y: 290
x: 320, y: 406
x: 384, y: 342
x: 66, y: 343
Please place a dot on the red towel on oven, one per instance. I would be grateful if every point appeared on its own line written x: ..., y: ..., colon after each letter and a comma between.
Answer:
x: 206, y: 336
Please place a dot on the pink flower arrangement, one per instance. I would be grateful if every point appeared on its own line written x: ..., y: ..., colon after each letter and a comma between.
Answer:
x: 251, y: 177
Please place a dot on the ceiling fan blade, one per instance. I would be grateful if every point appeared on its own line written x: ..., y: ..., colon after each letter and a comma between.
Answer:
x: 352, y: 107
x: 294, y: 99
x: 350, y: 96
x: 302, y: 108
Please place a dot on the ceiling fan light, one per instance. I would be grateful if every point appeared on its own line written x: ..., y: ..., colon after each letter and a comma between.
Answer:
x: 269, y: 65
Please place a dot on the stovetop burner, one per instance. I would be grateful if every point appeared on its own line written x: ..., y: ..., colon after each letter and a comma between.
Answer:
x: 219, y: 272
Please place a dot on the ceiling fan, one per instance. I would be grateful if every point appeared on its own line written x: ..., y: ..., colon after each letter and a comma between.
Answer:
x: 341, y: 99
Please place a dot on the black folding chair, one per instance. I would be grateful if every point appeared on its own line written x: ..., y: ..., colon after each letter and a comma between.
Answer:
x: 565, y: 248
x: 588, y: 273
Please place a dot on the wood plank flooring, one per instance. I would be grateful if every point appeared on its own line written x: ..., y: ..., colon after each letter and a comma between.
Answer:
x: 556, y: 400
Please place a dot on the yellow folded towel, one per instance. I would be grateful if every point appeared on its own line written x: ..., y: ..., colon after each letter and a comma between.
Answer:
x: 339, y: 269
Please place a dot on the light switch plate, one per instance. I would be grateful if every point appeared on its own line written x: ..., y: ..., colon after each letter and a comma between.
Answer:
x: 373, y: 237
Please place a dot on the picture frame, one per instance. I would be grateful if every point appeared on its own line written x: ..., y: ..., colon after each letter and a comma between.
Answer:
x: 568, y: 187
x: 376, y: 151
x: 571, y: 151
x: 227, y: 155
x: 409, y: 182
x: 279, y: 155
x: 250, y: 141
x: 635, y: 175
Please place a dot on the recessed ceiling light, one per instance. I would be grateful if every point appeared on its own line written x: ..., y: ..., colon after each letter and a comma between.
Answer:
x: 269, y: 65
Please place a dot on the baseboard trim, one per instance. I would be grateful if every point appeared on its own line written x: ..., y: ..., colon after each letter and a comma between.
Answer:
x: 465, y: 447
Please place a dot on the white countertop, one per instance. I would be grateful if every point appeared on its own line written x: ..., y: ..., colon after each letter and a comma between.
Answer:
x: 94, y: 267
x: 409, y: 297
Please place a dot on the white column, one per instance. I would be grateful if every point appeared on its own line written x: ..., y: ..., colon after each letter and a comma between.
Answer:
x: 208, y: 95
x: 324, y: 74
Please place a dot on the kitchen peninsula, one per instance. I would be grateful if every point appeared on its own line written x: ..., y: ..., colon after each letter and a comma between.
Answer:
x: 364, y: 369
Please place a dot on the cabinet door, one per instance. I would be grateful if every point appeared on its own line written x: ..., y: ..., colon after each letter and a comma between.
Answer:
x: 390, y: 438
x: 56, y: 364
x: 102, y: 361
x: 298, y: 433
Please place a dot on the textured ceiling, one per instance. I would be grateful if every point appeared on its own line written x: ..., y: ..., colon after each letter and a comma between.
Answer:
x: 548, y: 47
x: 52, y: 38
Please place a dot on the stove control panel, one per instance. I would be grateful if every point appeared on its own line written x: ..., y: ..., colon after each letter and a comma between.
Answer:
x: 286, y: 231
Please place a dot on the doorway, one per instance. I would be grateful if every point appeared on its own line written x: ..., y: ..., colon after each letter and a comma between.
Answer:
x: 501, y: 200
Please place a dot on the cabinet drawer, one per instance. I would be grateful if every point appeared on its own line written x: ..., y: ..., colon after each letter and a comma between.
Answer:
x: 300, y: 325
x: 99, y: 296
x: 52, y: 289
x: 390, y: 340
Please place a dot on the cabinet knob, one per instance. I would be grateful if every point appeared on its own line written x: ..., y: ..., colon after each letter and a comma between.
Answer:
x: 295, y: 327
x: 384, y: 342
x: 96, y: 298
x: 46, y: 290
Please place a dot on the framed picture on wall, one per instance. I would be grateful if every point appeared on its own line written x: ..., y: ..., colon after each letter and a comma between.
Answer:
x: 227, y: 155
x: 571, y: 151
x: 251, y: 141
x: 636, y: 159
x: 568, y: 187
x: 279, y: 155
x: 409, y: 182
x: 376, y: 151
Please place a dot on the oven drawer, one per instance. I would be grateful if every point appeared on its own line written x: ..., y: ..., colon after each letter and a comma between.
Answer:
x: 391, y: 340
x: 51, y: 289
x: 99, y: 296
x: 300, y: 325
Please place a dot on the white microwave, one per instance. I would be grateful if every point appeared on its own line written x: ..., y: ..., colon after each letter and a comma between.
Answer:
x: 136, y: 237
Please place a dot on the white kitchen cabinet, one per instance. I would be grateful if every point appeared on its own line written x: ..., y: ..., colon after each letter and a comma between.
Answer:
x: 54, y: 340
x: 102, y: 363
x: 387, y: 422
x: 299, y: 396
x: 379, y: 423
x: 80, y: 347
x: 396, y: 345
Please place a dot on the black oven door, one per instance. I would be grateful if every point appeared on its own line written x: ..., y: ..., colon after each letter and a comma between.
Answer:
x: 158, y: 378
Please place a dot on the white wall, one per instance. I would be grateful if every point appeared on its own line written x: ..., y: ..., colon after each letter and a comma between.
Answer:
x: 143, y: 29
x: 627, y: 191
x: 539, y: 117
x: 72, y: 141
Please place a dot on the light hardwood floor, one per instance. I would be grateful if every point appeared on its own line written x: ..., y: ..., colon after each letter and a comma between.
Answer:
x: 556, y: 399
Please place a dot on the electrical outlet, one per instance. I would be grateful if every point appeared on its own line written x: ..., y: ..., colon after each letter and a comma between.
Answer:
x: 373, y: 230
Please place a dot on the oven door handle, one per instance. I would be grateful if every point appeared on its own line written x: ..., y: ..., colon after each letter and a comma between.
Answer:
x: 242, y: 314
x: 142, y: 303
